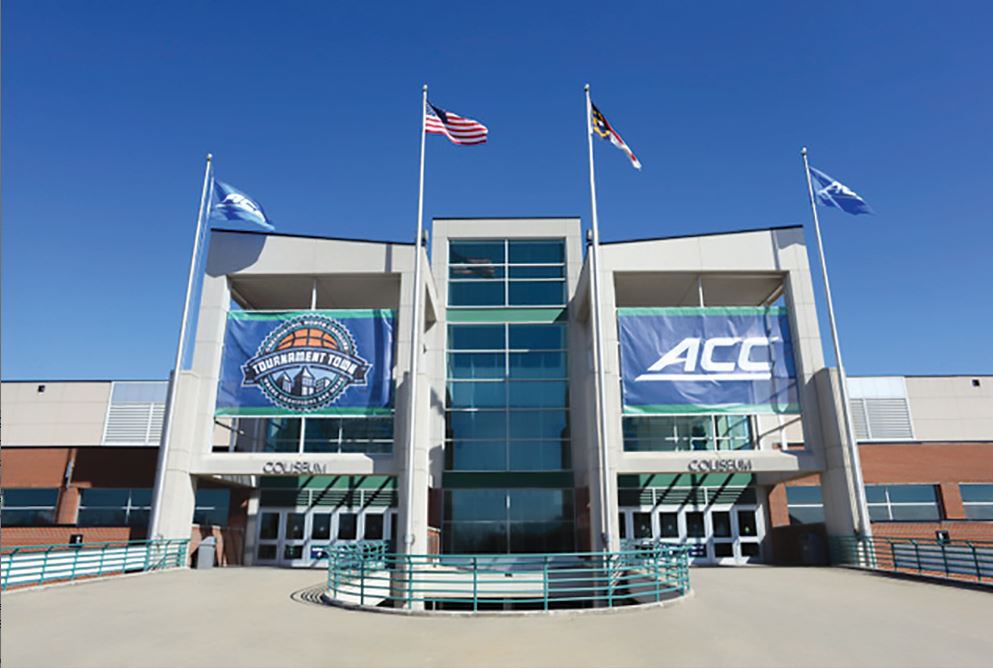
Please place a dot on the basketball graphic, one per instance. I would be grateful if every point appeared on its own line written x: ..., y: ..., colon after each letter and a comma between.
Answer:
x: 306, y: 363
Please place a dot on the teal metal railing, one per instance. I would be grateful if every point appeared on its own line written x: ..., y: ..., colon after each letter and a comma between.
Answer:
x: 26, y: 565
x: 955, y: 559
x: 372, y: 576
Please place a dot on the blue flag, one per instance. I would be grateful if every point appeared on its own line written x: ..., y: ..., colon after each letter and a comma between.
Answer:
x: 834, y: 193
x: 232, y: 204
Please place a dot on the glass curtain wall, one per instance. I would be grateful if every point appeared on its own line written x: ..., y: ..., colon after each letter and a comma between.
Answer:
x: 507, y: 400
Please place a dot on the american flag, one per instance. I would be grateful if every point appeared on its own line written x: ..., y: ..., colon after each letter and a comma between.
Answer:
x: 459, y: 130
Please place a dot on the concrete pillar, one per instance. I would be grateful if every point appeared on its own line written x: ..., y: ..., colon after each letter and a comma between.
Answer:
x: 179, y: 487
x: 840, y: 510
x: 252, y: 526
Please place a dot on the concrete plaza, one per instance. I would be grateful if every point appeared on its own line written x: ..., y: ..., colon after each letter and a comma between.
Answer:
x: 267, y: 617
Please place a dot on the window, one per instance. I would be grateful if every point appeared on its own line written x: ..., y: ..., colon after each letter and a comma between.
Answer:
x: 373, y: 527
x: 506, y: 398
x: 642, y: 525
x: 212, y: 507
x: 902, y: 503
x: 347, y: 526
x: 805, y: 504
x: 694, y: 525
x: 664, y: 433
x: 320, y: 526
x: 367, y: 435
x: 506, y: 273
x: 29, y: 507
x: 508, y: 520
x: 669, y: 525
x: 977, y: 500
x: 105, y: 507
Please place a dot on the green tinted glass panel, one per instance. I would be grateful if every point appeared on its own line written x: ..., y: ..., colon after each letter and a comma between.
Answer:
x: 537, y: 272
x: 974, y: 492
x: 804, y: 494
x: 535, y: 293
x: 476, y: 337
x: 477, y: 293
x: 536, y: 337
x: 536, y: 252
x: 476, y: 365
x: 475, y: 252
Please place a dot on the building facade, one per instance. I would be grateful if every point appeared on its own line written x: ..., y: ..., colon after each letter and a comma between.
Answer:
x: 292, y: 426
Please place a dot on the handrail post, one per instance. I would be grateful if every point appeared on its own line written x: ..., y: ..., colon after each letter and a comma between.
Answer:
x: 944, y: 558
x: 6, y: 573
x: 410, y: 582
x: 917, y: 554
x: 75, y: 563
x: 44, y: 564
x: 610, y: 581
x: 658, y: 583
x: 361, y: 581
x: 545, y: 581
x: 975, y: 559
x: 475, y: 584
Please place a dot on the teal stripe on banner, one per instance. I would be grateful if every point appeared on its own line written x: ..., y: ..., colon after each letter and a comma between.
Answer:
x: 735, y: 409
x: 702, y: 310
x: 275, y: 411
x: 537, y: 315
x: 332, y: 313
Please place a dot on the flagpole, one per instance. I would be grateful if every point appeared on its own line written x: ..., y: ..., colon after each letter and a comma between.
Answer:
x: 415, y: 337
x: 160, y: 469
x: 864, y: 528
x: 605, y: 515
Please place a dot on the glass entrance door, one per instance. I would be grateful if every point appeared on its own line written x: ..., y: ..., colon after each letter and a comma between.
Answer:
x: 300, y: 537
x: 270, y: 529
x: 723, y: 534
x: 294, y: 539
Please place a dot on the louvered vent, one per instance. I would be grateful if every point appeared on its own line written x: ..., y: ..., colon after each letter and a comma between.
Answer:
x: 135, y: 414
x: 889, y: 419
x: 882, y: 419
x: 859, y: 419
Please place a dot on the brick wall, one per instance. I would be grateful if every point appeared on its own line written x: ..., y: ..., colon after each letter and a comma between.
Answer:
x: 942, y: 464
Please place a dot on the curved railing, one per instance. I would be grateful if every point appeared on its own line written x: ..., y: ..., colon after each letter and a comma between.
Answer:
x: 368, y: 575
x: 24, y: 565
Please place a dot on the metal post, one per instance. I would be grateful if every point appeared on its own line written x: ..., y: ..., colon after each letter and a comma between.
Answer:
x: 658, y: 584
x: 475, y: 584
x: 975, y: 559
x: 362, y: 582
x: 545, y: 581
x: 44, y: 564
x: 415, y: 338
x: 160, y: 468
x: 865, y: 527
x: 605, y: 514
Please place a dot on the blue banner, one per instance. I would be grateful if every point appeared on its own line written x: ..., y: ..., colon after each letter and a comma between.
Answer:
x: 307, y: 363
x: 713, y: 360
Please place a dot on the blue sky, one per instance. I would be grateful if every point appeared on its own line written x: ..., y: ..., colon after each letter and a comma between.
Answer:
x: 313, y: 108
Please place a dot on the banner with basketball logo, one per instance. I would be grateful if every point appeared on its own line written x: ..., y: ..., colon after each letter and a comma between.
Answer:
x: 307, y: 363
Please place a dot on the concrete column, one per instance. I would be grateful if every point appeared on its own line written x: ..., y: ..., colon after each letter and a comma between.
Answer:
x: 840, y: 510
x: 252, y: 527
x: 416, y: 480
x: 179, y: 487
